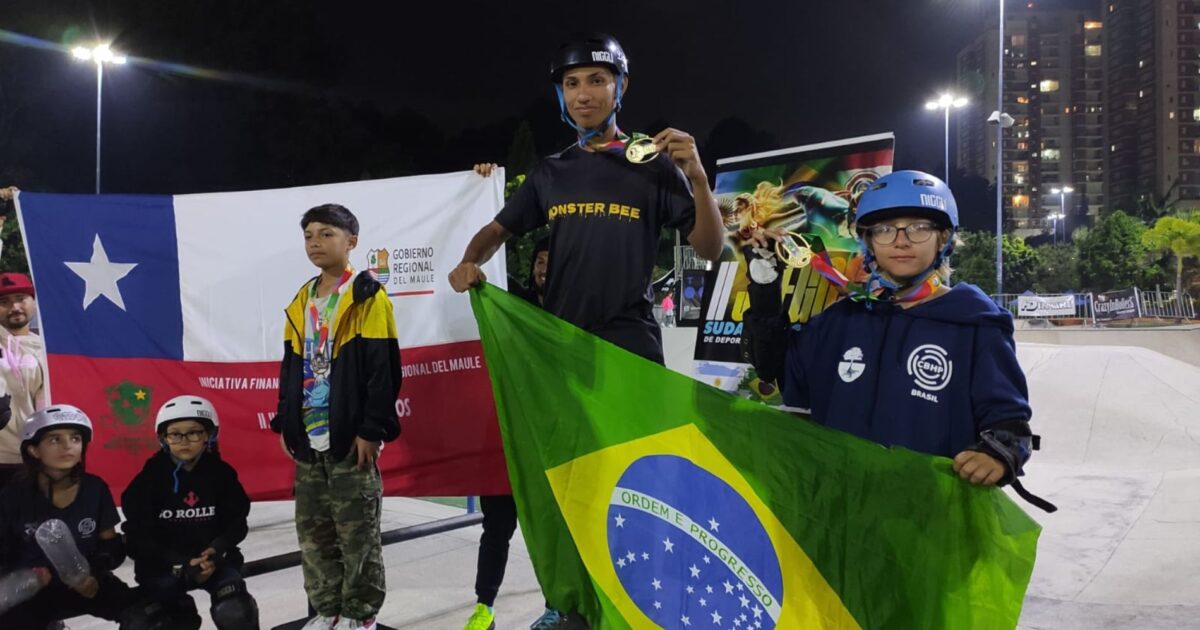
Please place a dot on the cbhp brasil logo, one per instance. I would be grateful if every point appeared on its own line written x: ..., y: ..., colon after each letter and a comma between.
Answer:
x: 689, y: 550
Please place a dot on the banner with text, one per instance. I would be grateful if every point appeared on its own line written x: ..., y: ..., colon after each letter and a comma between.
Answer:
x: 1045, y: 305
x: 143, y: 298
x: 808, y: 190
x: 1116, y: 305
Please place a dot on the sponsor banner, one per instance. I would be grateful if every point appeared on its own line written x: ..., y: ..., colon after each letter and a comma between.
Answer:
x: 1116, y: 305
x: 808, y: 190
x: 1045, y: 305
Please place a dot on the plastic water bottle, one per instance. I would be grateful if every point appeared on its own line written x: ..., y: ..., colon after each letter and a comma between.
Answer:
x: 17, y: 587
x: 56, y: 541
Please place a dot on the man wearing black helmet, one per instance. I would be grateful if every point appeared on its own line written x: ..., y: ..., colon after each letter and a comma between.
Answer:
x: 606, y: 199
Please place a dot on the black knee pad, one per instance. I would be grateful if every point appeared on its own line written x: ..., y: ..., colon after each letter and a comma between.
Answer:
x: 154, y: 615
x: 233, y: 608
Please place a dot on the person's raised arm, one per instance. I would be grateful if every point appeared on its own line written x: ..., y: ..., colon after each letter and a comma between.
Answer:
x: 480, y: 250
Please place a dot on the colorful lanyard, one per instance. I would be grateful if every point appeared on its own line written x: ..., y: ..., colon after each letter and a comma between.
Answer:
x: 320, y: 321
x: 616, y: 145
x: 637, y: 148
x: 822, y: 264
x: 915, y: 293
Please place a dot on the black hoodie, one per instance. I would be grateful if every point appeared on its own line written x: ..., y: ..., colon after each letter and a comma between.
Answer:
x: 167, y: 525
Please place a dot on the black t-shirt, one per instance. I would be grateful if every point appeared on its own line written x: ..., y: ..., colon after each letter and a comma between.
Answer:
x: 23, y: 508
x: 605, y: 215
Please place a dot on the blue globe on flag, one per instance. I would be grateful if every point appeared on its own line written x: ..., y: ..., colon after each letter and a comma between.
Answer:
x: 688, y: 549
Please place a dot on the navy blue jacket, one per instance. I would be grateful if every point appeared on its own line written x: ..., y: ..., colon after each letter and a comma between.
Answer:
x: 928, y: 378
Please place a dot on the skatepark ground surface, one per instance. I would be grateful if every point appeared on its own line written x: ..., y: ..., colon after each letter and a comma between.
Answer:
x: 1120, y: 456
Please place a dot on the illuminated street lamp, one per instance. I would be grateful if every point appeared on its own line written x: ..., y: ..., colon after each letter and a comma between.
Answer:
x: 945, y: 102
x: 1062, y: 210
x: 100, y: 55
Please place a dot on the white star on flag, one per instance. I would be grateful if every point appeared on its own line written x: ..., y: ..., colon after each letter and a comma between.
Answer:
x: 645, y: 556
x: 631, y: 557
x: 743, y: 617
x: 716, y: 617
x: 728, y: 587
x: 740, y: 587
x: 656, y: 584
x: 670, y: 546
x: 714, y: 525
x: 737, y: 622
x: 757, y: 611
x: 745, y: 602
x: 621, y: 562
x: 695, y: 571
x: 706, y: 560
x: 620, y: 520
x: 690, y: 590
x: 708, y: 588
x: 100, y: 276
x: 703, y: 602
x: 658, y: 605
x: 757, y: 624
x: 684, y: 619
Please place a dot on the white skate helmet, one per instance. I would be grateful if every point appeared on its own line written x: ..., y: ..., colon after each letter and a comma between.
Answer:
x: 188, y: 408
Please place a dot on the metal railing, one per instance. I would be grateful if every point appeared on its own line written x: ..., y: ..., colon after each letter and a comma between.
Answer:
x: 1088, y: 309
x: 1068, y: 306
x: 1166, y: 305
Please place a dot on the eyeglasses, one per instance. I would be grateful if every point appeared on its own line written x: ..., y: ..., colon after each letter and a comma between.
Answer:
x: 190, y: 436
x: 914, y: 232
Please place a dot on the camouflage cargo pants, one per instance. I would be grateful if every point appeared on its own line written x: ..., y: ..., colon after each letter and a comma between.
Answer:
x: 337, y: 522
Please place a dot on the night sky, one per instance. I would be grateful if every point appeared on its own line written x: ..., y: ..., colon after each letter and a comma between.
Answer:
x: 318, y: 92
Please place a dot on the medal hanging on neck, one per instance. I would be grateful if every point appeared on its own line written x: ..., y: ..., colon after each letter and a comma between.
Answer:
x: 319, y: 322
x: 797, y: 251
x: 638, y: 148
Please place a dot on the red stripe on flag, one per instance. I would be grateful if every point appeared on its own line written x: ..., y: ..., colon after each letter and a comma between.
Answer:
x: 449, y: 443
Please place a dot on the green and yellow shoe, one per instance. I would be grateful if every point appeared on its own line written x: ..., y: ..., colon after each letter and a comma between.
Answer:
x: 481, y: 619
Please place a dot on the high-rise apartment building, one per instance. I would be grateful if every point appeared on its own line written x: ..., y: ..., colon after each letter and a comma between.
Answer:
x: 1053, y: 89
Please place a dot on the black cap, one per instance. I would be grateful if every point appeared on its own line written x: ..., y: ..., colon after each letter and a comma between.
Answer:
x: 597, y: 49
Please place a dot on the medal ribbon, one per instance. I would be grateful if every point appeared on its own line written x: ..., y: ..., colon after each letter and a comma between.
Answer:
x: 822, y: 264
x: 320, y: 321
x: 616, y: 145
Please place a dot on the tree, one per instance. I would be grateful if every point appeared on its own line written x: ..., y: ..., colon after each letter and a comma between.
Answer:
x: 1180, y: 236
x: 1113, y: 255
x: 975, y: 262
x: 1020, y: 264
x: 1058, y: 269
x: 522, y: 153
x: 12, y: 257
x: 518, y: 252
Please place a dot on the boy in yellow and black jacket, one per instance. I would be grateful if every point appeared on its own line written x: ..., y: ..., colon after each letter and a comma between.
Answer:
x: 338, y: 384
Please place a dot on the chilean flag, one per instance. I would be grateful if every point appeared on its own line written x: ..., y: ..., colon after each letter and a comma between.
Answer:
x: 143, y: 298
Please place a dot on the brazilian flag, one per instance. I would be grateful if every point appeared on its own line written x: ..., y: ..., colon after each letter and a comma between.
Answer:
x: 649, y: 500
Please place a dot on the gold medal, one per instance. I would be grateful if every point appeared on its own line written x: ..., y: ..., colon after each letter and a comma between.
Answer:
x: 640, y: 150
x: 793, y: 253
